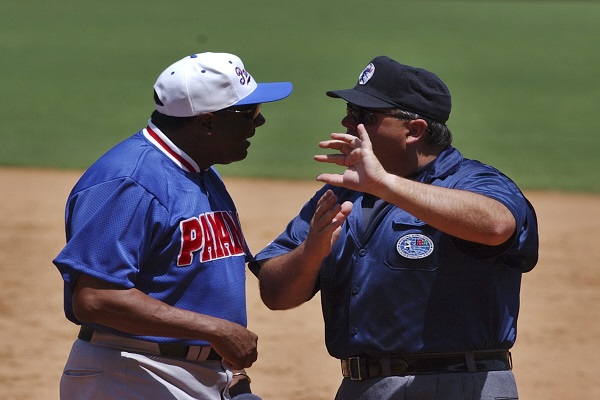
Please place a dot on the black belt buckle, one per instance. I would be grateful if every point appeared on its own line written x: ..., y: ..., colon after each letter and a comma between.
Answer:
x: 354, y: 368
x: 173, y: 350
x: 397, y: 366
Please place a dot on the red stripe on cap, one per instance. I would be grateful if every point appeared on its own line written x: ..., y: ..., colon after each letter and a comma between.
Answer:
x: 169, y: 150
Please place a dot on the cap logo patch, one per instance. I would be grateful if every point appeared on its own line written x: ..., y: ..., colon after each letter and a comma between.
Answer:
x: 366, y: 74
x: 243, y: 74
x: 414, y: 246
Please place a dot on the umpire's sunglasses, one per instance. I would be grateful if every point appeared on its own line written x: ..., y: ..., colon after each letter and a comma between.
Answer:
x: 249, y: 112
x: 367, y: 116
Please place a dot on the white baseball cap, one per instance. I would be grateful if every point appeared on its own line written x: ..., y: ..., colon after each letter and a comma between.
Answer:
x: 208, y: 82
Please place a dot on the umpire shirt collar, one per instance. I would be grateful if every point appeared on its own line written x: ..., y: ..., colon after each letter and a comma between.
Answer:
x: 445, y: 164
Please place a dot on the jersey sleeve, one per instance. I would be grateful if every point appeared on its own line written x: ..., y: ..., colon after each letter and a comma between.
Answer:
x: 110, y: 227
x: 521, y: 251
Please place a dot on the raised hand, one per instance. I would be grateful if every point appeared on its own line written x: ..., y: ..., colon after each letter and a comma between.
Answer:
x: 326, y: 223
x: 363, y: 169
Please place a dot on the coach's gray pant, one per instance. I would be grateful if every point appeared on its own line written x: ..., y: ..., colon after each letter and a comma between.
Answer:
x: 96, y: 372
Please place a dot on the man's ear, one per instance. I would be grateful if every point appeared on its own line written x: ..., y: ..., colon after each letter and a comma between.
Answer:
x: 417, y: 129
x: 204, y: 121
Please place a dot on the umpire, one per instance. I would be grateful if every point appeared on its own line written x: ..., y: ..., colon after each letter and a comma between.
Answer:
x: 417, y: 251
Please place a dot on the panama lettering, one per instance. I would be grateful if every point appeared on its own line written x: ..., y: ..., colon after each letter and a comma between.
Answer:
x: 214, y: 235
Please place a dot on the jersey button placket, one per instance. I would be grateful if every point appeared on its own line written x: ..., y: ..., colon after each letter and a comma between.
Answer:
x: 355, y: 291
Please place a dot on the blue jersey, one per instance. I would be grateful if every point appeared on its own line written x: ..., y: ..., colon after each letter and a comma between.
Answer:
x: 395, y: 285
x: 145, y: 216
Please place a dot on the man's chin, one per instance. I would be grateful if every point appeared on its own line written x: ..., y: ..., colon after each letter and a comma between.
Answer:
x: 239, y: 158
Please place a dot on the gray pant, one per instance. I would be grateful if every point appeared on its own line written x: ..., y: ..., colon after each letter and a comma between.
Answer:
x: 96, y: 371
x: 492, y: 385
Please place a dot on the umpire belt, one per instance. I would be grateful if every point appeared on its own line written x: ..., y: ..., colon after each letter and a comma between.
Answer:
x: 358, y: 368
x: 188, y: 353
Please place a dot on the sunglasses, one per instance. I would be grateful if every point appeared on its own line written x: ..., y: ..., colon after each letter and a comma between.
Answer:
x: 367, y: 116
x: 247, y: 112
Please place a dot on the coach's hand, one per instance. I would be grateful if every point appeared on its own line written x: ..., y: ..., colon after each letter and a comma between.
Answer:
x: 236, y: 344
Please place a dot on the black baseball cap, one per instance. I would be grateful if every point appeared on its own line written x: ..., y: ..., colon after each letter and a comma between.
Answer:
x: 385, y: 83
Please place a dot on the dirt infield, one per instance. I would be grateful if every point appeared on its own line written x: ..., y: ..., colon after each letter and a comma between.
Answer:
x: 559, y: 327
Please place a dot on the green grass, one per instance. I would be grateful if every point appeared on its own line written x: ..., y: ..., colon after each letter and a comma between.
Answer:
x: 76, y: 76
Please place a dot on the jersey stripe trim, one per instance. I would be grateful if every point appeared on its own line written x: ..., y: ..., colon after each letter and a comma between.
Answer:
x: 173, y: 152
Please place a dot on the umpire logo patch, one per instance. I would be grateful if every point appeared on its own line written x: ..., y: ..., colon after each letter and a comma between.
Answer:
x: 366, y: 74
x: 414, y: 246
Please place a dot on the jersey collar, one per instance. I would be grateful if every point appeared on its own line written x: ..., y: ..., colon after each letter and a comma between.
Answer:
x: 445, y: 164
x: 165, y: 145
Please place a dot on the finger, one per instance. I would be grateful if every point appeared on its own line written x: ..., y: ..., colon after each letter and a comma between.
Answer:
x: 332, y: 143
x: 342, y: 212
x: 344, y: 137
x: 338, y: 159
x: 242, y: 363
x: 229, y: 364
x: 327, y: 195
x: 342, y: 147
x: 333, y: 221
x: 341, y: 215
x: 354, y: 141
x: 346, y: 207
x: 364, y: 136
x: 325, y: 213
x: 332, y: 179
